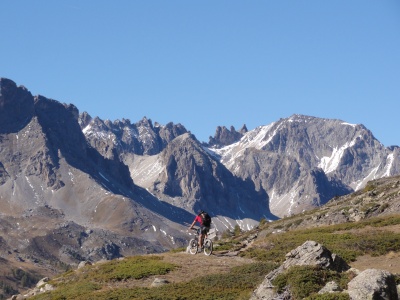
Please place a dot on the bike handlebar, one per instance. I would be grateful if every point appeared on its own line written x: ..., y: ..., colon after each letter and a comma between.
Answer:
x: 197, y: 229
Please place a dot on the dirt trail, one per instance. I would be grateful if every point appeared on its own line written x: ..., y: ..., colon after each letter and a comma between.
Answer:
x: 389, y: 262
x: 190, y: 267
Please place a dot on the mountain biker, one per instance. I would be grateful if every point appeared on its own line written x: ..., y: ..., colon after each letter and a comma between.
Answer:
x: 204, y: 225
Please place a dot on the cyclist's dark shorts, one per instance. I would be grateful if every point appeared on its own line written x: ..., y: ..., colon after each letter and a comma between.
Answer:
x: 204, y: 229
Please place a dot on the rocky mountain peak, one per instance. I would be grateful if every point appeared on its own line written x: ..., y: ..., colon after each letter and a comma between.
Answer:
x: 84, y: 119
x: 224, y: 136
x: 244, y: 129
x: 16, y: 106
x: 304, y: 161
x: 145, y: 122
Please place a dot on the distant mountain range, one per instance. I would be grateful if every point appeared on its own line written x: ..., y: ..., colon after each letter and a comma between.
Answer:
x: 302, y: 162
x: 75, y: 187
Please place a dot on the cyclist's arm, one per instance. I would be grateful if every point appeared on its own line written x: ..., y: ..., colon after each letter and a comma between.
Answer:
x: 194, y: 222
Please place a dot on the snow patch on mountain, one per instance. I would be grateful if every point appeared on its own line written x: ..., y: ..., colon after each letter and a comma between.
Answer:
x: 300, y: 118
x: 101, y: 135
x: 259, y: 137
x: 371, y: 176
x: 256, y: 138
x: 130, y: 132
x: 349, y: 124
x: 390, y: 160
x: 145, y: 170
x: 329, y: 164
x: 87, y: 129
x: 286, y: 200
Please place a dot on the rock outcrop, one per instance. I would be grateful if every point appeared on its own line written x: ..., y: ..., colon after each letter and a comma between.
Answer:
x: 115, y: 139
x: 41, y: 287
x: 224, y: 137
x: 309, y: 254
x: 369, y: 284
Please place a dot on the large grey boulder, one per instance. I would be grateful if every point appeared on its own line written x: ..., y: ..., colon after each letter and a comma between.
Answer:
x: 314, y: 254
x: 373, y: 284
x: 309, y: 254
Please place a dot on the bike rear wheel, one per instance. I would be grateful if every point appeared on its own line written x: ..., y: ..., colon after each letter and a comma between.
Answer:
x: 208, y: 247
x: 193, y: 246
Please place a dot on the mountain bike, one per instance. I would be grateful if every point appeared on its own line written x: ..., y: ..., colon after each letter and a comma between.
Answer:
x: 194, y: 244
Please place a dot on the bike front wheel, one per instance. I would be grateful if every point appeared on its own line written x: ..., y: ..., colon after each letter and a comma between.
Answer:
x: 208, y: 247
x: 193, y: 246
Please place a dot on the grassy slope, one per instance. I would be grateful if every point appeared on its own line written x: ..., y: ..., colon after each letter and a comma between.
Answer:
x: 376, y: 233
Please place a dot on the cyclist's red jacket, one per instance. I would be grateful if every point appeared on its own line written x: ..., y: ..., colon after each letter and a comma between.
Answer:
x: 199, y: 219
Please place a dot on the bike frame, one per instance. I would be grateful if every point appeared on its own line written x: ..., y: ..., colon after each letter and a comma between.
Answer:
x: 206, y: 242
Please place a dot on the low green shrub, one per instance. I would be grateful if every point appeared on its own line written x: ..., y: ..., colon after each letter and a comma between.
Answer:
x: 177, y: 250
x: 306, y: 280
x: 329, y: 296
x: 135, y: 267
x: 75, y: 290
x: 86, y: 283
x: 237, y: 284
x: 337, y: 238
x: 369, y: 187
x: 225, y: 245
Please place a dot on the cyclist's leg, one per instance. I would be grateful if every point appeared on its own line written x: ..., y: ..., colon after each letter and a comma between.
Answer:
x: 203, y: 233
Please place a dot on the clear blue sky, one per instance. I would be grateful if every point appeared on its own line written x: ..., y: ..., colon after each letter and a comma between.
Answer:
x: 209, y: 63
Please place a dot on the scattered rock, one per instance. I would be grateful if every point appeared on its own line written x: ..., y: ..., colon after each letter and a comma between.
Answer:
x: 47, y: 287
x: 84, y: 264
x: 159, y: 282
x: 330, y: 287
x: 42, y: 282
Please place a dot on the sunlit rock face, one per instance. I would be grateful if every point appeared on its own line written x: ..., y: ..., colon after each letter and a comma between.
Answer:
x: 302, y: 161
